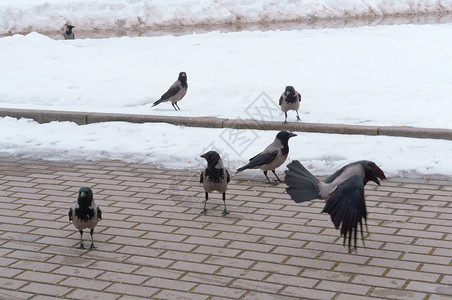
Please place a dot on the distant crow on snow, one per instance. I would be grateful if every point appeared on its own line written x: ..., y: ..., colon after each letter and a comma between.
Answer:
x: 290, y: 100
x: 68, y: 34
x: 176, y: 92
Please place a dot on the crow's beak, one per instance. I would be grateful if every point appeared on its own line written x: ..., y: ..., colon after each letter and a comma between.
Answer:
x: 292, y: 135
x: 82, y: 194
x: 204, y: 156
x: 375, y: 179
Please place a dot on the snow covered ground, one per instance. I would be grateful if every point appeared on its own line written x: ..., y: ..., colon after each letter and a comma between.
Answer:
x: 379, y: 75
x: 382, y: 75
x: 180, y: 147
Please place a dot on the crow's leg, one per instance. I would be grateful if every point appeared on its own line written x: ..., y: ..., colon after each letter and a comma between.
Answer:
x: 285, y: 119
x: 81, y: 240
x: 177, y: 106
x: 91, y: 232
x: 277, y: 176
x: 174, y: 106
x: 298, y: 117
x: 204, y: 211
x: 225, y: 211
x: 268, y: 182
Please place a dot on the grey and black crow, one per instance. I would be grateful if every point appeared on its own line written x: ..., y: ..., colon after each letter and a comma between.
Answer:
x: 68, y: 34
x: 273, y: 156
x: 343, y: 192
x: 214, y: 178
x: 176, y: 92
x: 85, y: 214
x: 290, y: 100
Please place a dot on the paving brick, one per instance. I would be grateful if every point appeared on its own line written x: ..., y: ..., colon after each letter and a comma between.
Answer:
x: 344, y: 287
x: 305, y: 293
x: 170, y: 294
x: 45, y: 289
x: 134, y: 290
x: 388, y: 293
x: 379, y: 281
x: 40, y: 277
x: 215, y: 290
x: 87, y: 294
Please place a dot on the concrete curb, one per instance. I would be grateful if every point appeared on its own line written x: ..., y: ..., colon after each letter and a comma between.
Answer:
x: 83, y: 118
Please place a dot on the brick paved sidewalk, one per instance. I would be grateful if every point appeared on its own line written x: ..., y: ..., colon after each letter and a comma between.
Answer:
x: 153, y: 242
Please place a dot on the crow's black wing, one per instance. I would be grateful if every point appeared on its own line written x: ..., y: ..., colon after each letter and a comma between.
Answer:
x: 280, y: 100
x: 263, y: 159
x: 201, y: 179
x: 173, y: 90
x: 259, y: 160
x: 70, y: 214
x: 347, y: 208
x: 99, y: 213
x: 228, y: 177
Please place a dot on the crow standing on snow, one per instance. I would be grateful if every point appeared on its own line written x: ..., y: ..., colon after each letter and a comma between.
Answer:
x: 290, y: 100
x: 272, y: 157
x: 85, y: 214
x: 68, y: 34
x: 343, y: 192
x: 176, y: 91
x: 214, y: 178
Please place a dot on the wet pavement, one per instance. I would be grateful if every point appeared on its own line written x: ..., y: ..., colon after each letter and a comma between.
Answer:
x: 154, y: 243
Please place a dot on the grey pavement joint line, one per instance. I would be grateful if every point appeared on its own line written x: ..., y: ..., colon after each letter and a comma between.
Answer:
x: 83, y: 118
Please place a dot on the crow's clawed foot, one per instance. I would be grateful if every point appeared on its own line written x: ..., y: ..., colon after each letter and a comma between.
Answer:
x: 225, y: 212
x: 272, y: 182
x: 92, y: 247
x: 285, y: 122
x: 81, y: 246
x: 204, y: 212
x: 298, y: 119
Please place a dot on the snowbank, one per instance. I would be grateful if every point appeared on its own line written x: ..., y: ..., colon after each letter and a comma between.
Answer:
x: 180, y: 147
x: 23, y: 16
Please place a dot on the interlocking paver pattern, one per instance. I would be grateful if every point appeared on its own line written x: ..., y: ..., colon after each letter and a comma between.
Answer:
x: 154, y: 243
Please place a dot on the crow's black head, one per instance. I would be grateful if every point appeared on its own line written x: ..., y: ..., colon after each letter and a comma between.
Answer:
x: 284, y: 136
x: 85, y: 196
x: 182, y: 77
x: 290, y: 91
x: 69, y: 29
x: 372, y: 172
x: 213, y: 172
x: 212, y: 157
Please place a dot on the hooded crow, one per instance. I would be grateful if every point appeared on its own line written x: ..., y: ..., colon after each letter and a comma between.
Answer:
x: 272, y: 157
x: 85, y: 214
x: 214, y: 178
x: 290, y: 100
x: 176, y: 92
x: 343, y: 192
x: 68, y: 34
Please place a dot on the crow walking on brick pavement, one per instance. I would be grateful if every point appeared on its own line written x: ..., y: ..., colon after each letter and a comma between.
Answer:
x: 214, y: 178
x: 68, y: 34
x: 343, y: 192
x: 290, y: 100
x: 272, y: 157
x: 176, y: 92
x: 85, y: 214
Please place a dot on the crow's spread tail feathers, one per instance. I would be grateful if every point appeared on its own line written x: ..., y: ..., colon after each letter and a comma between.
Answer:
x: 303, y: 186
